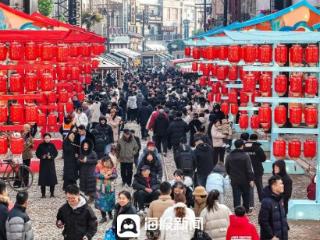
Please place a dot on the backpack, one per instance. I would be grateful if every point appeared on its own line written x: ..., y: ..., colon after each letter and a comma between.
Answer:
x: 186, y: 160
x: 200, y: 235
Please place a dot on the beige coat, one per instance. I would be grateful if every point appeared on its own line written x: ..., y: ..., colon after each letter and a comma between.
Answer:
x: 217, y: 137
x: 216, y: 222
x: 115, y: 124
x: 199, y: 206
x: 157, y: 207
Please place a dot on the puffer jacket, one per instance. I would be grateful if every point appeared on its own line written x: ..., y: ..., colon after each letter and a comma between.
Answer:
x: 177, y: 132
x: 216, y: 222
x: 241, y: 228
x: 18, y: 224
x: 132, y: 102
x: 217, y: 137
x: 272, y: 217
x: 126, y: 150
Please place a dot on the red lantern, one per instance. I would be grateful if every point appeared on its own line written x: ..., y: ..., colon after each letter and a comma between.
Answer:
x: 254, y: 122
x: 224, y: 89
x: 73, y: 50
x: 233, y: 96
x: 265, y: 54
x: 233, y: 73
x: 16, y: 145
x: 3, y: 113
x: 254, y: 95
x: 294, y: 148
x: 249, y: 83
x: 311, y: 86
x: 62, y: 53
x: 47, y: 82
x: 222, y: 72
x: 309, y: 148
x: 16, y: 51
x: 296, y: 54
x: 234, y: 53
x: 196, y: 53
x: 210, y: 53
x: 63, y: 96
x: 295, y: 115
x: 47, y: 52
x: 62, y: 72
x: 31, y: 114
x: 31, y: 82
x: 16, y: 83
x: 87, y: 68
x: 225, y: 108
x: 281, y: 54
x: 42, y: 120
x: 295, y: 85
x: 203, y: 81
x: 217, y: 97
x: 194, y: 67
x: 234, y: 109
x: 61, y: 117
x: 250, y: 54
x: 81, y: 96
x: 52, y: 120
x: 60, y: 107
x: 281, y: 84
x: 279, y: 149
x: 205, y: 70
x: 98, y: 49
x: 312, y: 54
x: 280, y: 115
x: 244, y: 98
x: 78, y: 87
x: 210, y: 96
x: 85, y: 50
x: 16, y: 114
x: 243, y: 121
x: 3, y: 145
x: 265, y: 84
x: 3, y: 51
x: 95, y: 64
x: 215, y: 87
x: 3, y: 83
x: 31, y: 51
x: 311, y: 116
x: 264, y: 114
x: 43, y: 109
x: 69, y: 107
x: 222, y: 52
x: 52, y: 97
x: 75, y: 73
x: 187, y: 51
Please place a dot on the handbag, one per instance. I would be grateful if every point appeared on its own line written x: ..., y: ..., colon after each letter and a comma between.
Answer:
x: 200, y: 235
x: 110, y: 235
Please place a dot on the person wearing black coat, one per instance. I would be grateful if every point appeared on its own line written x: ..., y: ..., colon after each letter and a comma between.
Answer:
x: 194, y: 126
x: 205, y: 162
x: 103, y: 136
x: 88, y: 160
x: 144, y: 113
x: 147, y: 187
x: 47, y: 153
x: 272, y: 217
x: 279, y: 168
x: 160, y: 128
x: 70, y: 164
x: 76, y: 217
x: 150, y: 159
x: 238, y: 167
x: 4, y: 203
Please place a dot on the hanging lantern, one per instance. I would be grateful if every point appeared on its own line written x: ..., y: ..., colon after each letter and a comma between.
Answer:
x: 295, y: 115
x: 311, y: 116
x: 3, y: 114
x: 264, y: 114
x: 279, y: 149
x: 249, y: 83
x: 16, y: 145
x: 63, y: 96
x: 52, y: 120
x: 234, y: 53
x: 16, y: 51
x: 81, y: 96
x: 311, y: 86
x: 47, y: 82
x: 254, y: 95
x: 244, y: 97
x: 3, y: 145
x: 294, y: 148
x: 309, y: 148
x: 60, y: 107
x: 296, y: 54
x: 88, y: 69
x: 78, y: 87
x: 233, y: 73
x: 52, y: 97
x: 3, y: 83
x: 222, y: 72
x: 47, y: 52
x: 42, y: 120
x: 215, y: 87
x: 250, y: 54
x: 196, y: 53
x: 224, y: 89
x: 61, y: 117
x: 3, y: 51
x: 312, y: 54
x: 75, y: 73
x: 280, y: 115
x: 243, y: 121
x: 16, y: 114
x: 265, y: 54
x: 187, y: 51
x: 210, y: 96
x: 43, y: 109
x: 203, y: 81
x: 210, y: 53
x: 217, y: 98
x: 31, y: 113
x: 85, y: 49
x: 205, y: 70
x: 254, y: 122
x: 16, y: 83
x: 265, y: 84
x: 233, y: 96
x: 281, y: 84
x: 62, y: 72
x: 62, y: 53
x: 281, y: 54
x: 73, y: 50
x: 31, y: 51
x: 31, y: 82
x: 194, y: 67
x: 222, y: 53
x: 225, y: 108
x: 295, y: 85
x: 234, y: 109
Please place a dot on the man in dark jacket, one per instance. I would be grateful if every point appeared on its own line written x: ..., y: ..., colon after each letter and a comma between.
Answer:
x: 103, y: 136
x: 154, y: 163
x: 84, y: 135
x: 146, y: 186
x: 204, y: 161
x: 144, y: 114
x: 238, y: 166
x: 257, y: 156
x: 76, y: 217
x: 272, y: 217
x: 4, y: 203
x: 18, y: 224
x: 161, y: 125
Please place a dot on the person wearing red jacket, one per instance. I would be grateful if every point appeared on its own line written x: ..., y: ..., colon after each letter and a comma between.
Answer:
x: 240, y: 227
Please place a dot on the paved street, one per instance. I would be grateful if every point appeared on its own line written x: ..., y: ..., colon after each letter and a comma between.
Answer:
x: 43, y: 211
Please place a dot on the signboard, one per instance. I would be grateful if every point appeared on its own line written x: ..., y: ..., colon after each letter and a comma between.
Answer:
x: 133, y: 12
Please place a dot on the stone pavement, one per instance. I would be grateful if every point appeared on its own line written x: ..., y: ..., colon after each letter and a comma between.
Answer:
x: 43, y: 211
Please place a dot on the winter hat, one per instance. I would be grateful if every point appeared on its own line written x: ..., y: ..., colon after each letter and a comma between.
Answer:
x: 145, y: 167
x: 151, y: 144
x: 199, y: 191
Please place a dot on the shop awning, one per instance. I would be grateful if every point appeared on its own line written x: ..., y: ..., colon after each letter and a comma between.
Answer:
x: 107, y: 64
x: 126, y: 52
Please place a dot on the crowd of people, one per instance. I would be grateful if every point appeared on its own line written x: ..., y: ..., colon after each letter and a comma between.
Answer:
x: 173, y: 114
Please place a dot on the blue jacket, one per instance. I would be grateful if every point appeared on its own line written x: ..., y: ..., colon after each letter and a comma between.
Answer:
x: 217, y: 181
x: 272, y: 217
